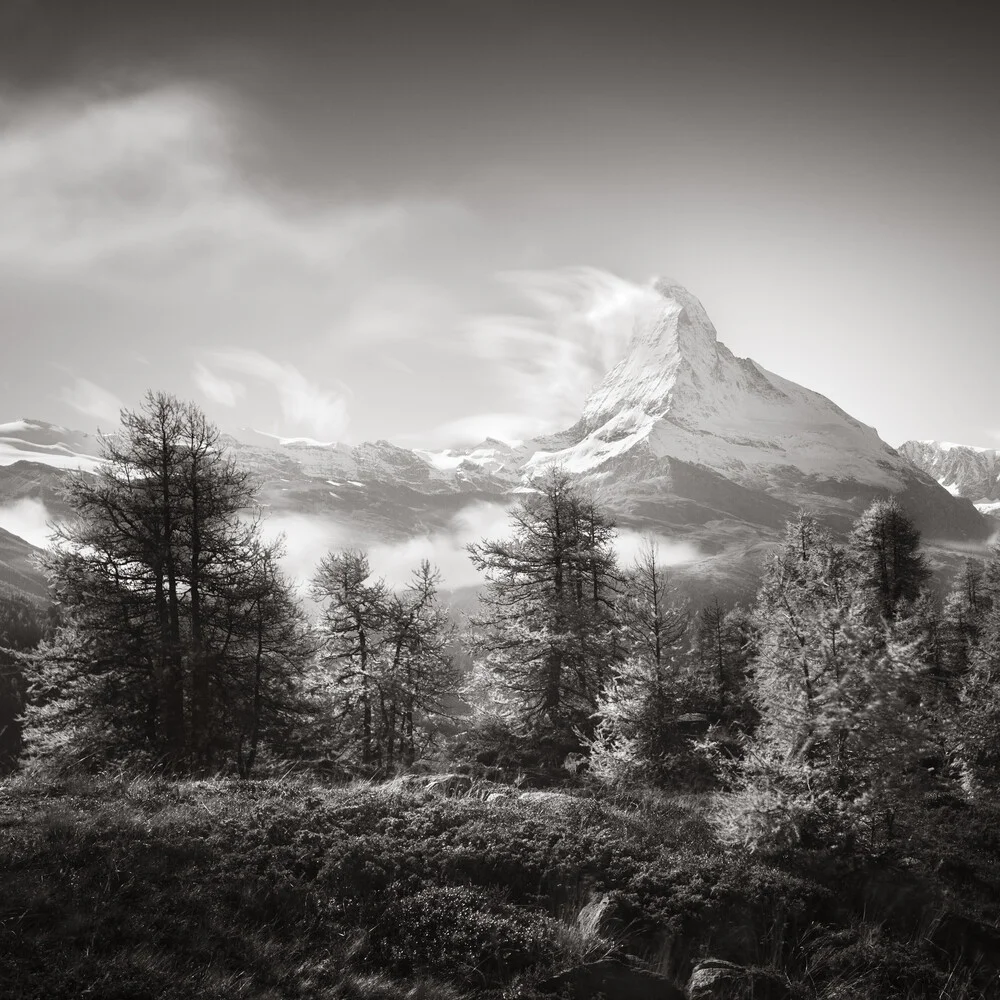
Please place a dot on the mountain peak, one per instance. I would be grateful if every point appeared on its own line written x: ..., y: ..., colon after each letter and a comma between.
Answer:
x: 673, y: 353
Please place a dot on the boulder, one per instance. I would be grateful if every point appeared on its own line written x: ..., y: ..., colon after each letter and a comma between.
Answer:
x: 714, y: 979
x: 548, y: 798
x: 693, y: 724
x: 610, y: 980
x: 449, y: 784
x: 500, y: 796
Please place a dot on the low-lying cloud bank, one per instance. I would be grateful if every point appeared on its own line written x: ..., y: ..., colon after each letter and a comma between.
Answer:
x: 28, y: 519
x: 309, y: 537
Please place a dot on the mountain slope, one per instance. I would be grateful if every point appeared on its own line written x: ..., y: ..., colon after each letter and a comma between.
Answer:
x: 17, y: 570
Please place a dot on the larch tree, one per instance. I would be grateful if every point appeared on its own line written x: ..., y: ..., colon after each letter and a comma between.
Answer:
x: 974, y: 631
x: 812, y: 677
x: 885, y: 545
x: 654, y: 622
x: 353, y: 618
x: 547, y: 630
x: 637, y: 736
x: 420, y: 665
x: 721, y: 638
x: 840, y: 680
x: 390, y: 658
x: 22, y: 627
x: 152, y: 577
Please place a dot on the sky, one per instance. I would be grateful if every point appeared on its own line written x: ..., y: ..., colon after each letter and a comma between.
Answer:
x: 428, y: 222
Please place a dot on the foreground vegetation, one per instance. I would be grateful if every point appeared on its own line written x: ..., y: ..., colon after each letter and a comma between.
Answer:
x: 134, y: 888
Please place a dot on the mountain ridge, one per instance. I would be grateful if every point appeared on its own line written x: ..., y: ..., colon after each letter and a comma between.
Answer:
x: 964, y: 470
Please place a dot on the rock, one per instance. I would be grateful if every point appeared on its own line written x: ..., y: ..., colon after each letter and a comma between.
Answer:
x: 547, y: 798
x: 449, y: 784
x: 610, y: 980
x: 714, y: 979
x: 693, y: 724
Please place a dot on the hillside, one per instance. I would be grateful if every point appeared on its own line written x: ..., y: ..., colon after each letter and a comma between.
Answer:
x: 18, y: 573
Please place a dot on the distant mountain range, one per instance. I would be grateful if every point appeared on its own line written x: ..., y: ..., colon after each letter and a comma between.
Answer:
x: 681, y: 438
x: 973, y: 473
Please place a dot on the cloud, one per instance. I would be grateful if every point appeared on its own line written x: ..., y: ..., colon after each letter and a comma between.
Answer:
x: 28, y: 519
x: 576, y: 327
x: 92, y: 399
x: 669, y: 551
x: 219, y: 390
x: 303, y: 403
x: 309, y: 537
x: 150, y: 186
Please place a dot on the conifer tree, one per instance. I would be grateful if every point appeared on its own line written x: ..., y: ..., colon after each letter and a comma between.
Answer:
x: 885, y: 545
x: 547, y: 630
x: 974, y: 630
x: 390, y: 658
x: 812, y: 677
x: 841, y: 680
x: 637, y: 736
x: 421, y: 667
x: 722, y: 638
x: 353, y: 618
x: 653, y: 620
x: 22, y: 628
x: 154, y: 577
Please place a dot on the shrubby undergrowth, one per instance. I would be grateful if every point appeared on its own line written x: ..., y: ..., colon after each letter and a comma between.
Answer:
x: 155, y: 887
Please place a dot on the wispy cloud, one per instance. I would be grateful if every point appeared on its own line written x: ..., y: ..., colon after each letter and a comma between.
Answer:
x: 124, y: 184
x: 308, y: 538
x: 305, y: 404
x: 576, y: 325
x: 669, y: 551
x: 220, y: 390
x: 93, y: 400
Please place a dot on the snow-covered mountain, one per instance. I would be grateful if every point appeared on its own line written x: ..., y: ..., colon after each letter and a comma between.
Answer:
x: 682, y: 394
x: 682, y: 423
x: 965, y: 471
x: 681, y: 437
x: 48, y: 444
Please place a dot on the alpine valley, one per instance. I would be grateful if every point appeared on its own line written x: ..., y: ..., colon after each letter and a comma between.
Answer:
x: 681, y: 439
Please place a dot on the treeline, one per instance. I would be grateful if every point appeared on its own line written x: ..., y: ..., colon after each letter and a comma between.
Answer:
x: 843, y: 694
